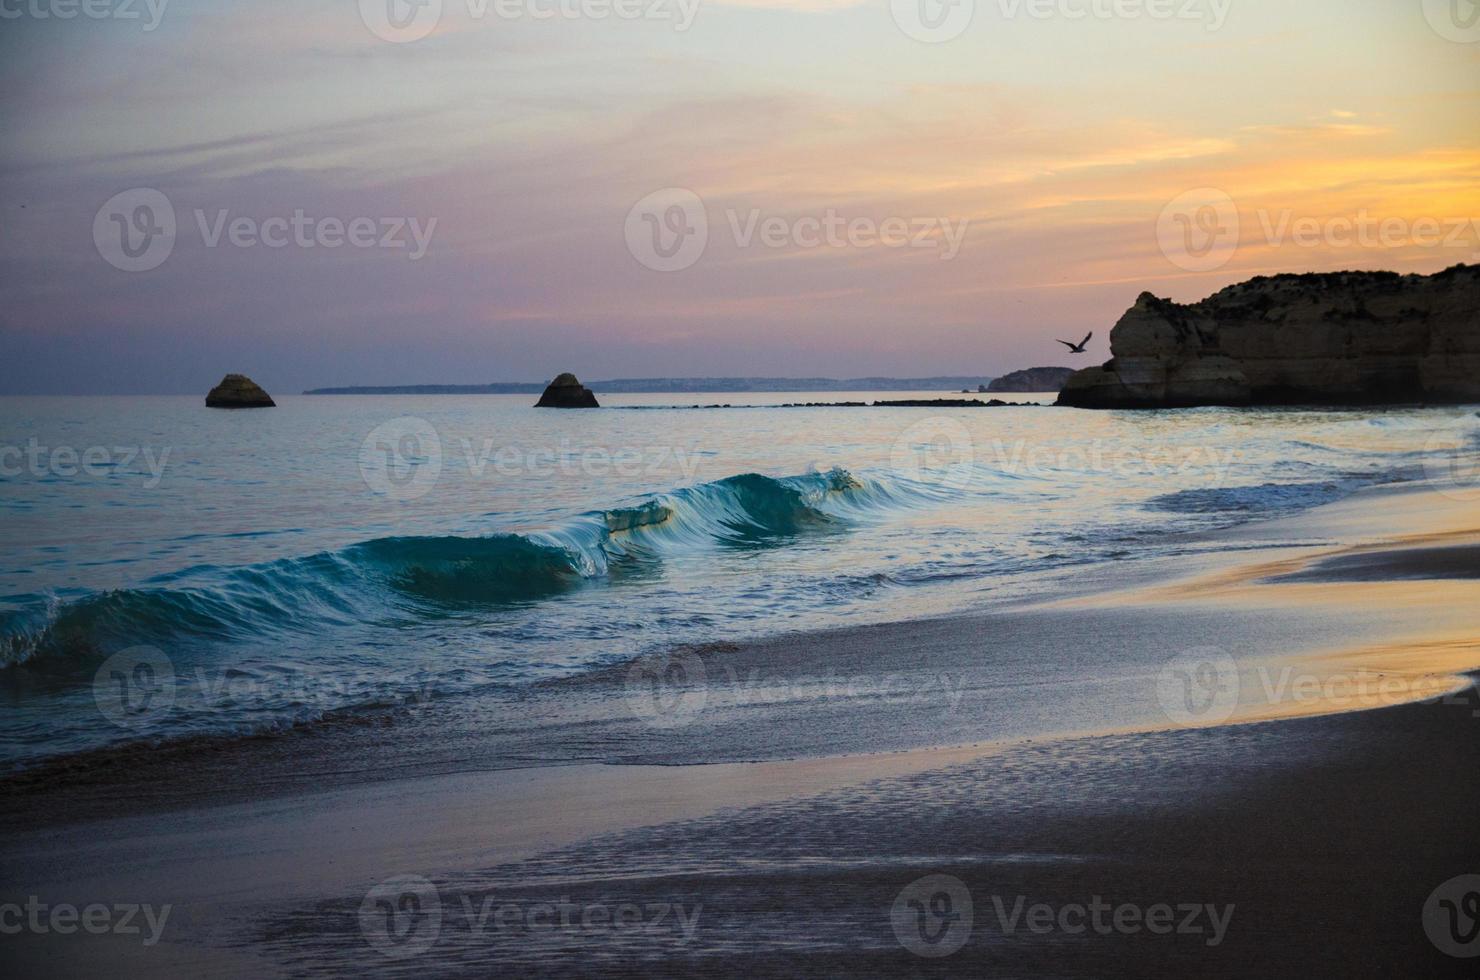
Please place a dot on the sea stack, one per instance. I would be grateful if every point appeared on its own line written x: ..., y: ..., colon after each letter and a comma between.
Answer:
x: 1341, y: 338
x: 566, y: 392
x: 239, y: 391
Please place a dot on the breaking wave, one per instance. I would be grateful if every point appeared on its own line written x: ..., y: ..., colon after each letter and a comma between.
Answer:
x: 396, y: 577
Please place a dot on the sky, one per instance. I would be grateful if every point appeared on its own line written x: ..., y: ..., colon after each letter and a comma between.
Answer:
x: 336, y: 192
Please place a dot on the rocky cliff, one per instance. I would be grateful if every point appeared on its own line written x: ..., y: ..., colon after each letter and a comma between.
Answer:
x: 1345, y: 338
x: 1032, y: 379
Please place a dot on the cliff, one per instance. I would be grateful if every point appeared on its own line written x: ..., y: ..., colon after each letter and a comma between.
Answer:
x: 1033, y: 379
x: 1345, y: 338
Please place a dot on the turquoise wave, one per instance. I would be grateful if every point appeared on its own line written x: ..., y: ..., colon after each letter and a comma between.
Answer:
x: 424, y: 576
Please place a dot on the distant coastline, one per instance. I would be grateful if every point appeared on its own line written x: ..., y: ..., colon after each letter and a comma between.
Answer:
x: 671, y: 385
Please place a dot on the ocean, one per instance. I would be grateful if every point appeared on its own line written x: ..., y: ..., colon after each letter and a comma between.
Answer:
x: 256, y: 570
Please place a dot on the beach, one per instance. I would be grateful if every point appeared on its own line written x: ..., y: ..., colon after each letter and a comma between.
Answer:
x: 764, y: 489
x: 766, y: 819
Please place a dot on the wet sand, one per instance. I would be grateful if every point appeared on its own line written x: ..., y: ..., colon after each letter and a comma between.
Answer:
x: 1324, y: 829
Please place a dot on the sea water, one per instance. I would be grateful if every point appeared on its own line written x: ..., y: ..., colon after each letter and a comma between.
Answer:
x: 348, y: 553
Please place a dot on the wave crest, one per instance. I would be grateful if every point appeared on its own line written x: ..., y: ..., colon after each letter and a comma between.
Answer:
x: 309, y: 594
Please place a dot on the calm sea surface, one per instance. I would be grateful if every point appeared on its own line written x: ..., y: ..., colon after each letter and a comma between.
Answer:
x: 353, y: 552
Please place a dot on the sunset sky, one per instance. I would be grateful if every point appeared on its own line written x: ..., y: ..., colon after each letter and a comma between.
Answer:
x: 1058, y: 140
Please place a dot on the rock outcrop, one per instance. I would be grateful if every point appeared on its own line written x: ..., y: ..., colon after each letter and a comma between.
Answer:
x: 1345, y: 338
x: 1032, y: 379
x: 566, y: 392
x: 238, y: 391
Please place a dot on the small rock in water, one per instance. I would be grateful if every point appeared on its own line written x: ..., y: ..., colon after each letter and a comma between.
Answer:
x: 239, y: 391
x: 566, y: 392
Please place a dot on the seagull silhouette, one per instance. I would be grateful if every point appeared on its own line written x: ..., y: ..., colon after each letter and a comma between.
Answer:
x: 1079, y: 347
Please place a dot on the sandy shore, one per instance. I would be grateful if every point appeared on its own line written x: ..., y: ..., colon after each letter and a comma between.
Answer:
x: 781, y: 816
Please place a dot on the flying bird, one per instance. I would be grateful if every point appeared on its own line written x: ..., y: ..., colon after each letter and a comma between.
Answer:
x: 1079, y: 347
